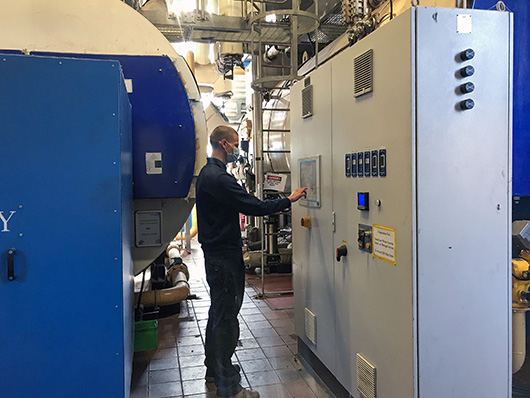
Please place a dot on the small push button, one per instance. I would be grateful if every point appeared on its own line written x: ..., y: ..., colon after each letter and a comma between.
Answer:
x: 466, y: 55
x: 467, y: 88
x: 467, y: 71
x: 467, y: 104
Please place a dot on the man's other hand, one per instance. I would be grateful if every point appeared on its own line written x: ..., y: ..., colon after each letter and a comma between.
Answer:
x: 297, y: 194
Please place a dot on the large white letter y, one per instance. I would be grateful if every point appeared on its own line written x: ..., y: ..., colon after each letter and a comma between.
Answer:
x: 5, y: 221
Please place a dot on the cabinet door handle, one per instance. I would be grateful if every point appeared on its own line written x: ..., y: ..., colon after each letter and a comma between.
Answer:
x: 11, y: 264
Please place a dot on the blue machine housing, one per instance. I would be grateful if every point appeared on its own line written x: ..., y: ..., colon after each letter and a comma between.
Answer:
x: 162, y: 122
x: 521, y: 99
x: 66, y: 319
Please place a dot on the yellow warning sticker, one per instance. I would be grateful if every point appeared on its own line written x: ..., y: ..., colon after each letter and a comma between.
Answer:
x: 384, y: 243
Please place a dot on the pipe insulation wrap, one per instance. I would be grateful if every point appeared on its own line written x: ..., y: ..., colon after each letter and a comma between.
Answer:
x: 519, y: 339
x: 180, y: 289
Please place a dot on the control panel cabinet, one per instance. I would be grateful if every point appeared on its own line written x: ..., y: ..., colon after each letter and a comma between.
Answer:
x: 420, y: 141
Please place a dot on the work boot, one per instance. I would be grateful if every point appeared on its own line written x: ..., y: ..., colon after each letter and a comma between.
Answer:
x: 211, y: 379
x: 244, y: 393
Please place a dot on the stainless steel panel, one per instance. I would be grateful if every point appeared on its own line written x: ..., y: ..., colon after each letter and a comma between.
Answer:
x: 313, y: 265
x: 375, y: 316
x: 464, y: 214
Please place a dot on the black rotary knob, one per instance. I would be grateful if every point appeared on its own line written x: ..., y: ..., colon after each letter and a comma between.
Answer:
x: 467, y: 88
x: 466, y: 55
x: 467, y: 71
x: 467, y: 104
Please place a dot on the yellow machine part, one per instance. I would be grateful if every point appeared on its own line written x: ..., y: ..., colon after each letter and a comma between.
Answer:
x: 520, y: 269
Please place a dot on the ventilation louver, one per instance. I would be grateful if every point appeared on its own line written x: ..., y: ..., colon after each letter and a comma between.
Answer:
x: 307, y: 101
x: 363, y: 73
x: 365, y: 377
x: 311, y: 326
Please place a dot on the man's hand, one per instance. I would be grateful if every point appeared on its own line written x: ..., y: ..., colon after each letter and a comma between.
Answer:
x: 297, y: 194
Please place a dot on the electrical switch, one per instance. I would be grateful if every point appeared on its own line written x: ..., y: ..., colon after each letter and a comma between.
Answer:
x: 364, y: 238
x: 306, y: 222
x: 341, y: 252
x: 466, y: 55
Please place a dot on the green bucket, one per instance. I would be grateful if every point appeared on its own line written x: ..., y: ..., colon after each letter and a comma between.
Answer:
x: 145, y: 335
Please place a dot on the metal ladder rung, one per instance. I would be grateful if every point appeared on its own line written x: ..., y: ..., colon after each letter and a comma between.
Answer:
x: 276, y: 151
x: 276, y: 130
x: 276, y: 109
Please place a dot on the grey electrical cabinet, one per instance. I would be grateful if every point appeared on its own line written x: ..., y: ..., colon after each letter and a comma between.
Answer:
x: 402, y: 285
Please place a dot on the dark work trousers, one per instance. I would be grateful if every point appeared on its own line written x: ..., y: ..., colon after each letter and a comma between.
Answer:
x: 225, y: 274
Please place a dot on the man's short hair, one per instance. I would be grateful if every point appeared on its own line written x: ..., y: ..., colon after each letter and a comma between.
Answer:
x: 221, y: 133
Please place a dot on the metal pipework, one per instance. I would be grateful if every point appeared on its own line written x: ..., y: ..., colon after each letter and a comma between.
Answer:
x: 178, y: 276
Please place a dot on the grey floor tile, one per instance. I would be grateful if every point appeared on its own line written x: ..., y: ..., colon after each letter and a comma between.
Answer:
x: 265, y: 332
x: 255, y: 318
x: 193, y: 373
x: 279, y: 323
x: 187, y: 332
x: 245, y: 344
x: 251, y: 353
x: 166, y: 343
x: 270, y: 341
x: 250, y: 311
x: 246, y: 334
x: 197, y: 387
x: 165, y: 353
x: 140, y: 376
x: 191, y: 350
x: 289, y: 339
x: 187, y: 362
x: 161, y: 364
x: 285, y: 330
x: 139, y: 392
x: 264, y: 378
x: 189, y: 340
x: 273, y: 391
x: 299, y: 388
x: 258, y: 325
x: 206, y: 395
x: 277, y: 351
x: 255, y: 365
x: 286, y: 375
x: 276, y: 315
x: 282, y: 362
x: 164, y: 376
x: 173, y: 389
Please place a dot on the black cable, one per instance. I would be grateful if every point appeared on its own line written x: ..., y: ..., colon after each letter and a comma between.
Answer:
x: 141, y: 291
x: 391, y: 9
x: 520, y: 279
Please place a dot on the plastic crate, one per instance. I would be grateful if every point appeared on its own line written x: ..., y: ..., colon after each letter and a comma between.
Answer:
x: 145, y: 335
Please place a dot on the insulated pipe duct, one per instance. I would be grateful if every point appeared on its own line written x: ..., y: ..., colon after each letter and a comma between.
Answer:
x: 519, y: 338
x: 180, y: 289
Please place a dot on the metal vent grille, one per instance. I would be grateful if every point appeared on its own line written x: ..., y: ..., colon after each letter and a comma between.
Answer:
x: 311, y: 326
x: 365, y: 377
x: 363, y: 73
x: 307, y: 101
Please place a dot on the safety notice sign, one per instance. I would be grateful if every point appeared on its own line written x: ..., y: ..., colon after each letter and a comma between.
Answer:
x: 384, y: 243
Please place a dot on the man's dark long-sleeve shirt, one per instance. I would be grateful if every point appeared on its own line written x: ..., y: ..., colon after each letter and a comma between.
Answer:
x: 220, y: 199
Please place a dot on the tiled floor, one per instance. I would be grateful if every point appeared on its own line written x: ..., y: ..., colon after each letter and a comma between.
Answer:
x: 266, y: 351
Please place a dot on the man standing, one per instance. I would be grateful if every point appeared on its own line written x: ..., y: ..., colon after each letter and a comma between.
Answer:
x: 220, y: 199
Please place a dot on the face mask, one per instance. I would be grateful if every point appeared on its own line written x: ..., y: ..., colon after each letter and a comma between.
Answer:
x: 232, y: 157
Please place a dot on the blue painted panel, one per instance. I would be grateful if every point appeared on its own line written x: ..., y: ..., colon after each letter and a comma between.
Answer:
x: 521, y: 99
x: 64, y: 322
x: 162, y: 122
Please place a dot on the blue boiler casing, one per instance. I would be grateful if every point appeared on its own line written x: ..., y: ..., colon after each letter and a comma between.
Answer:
x: 66, y: 209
